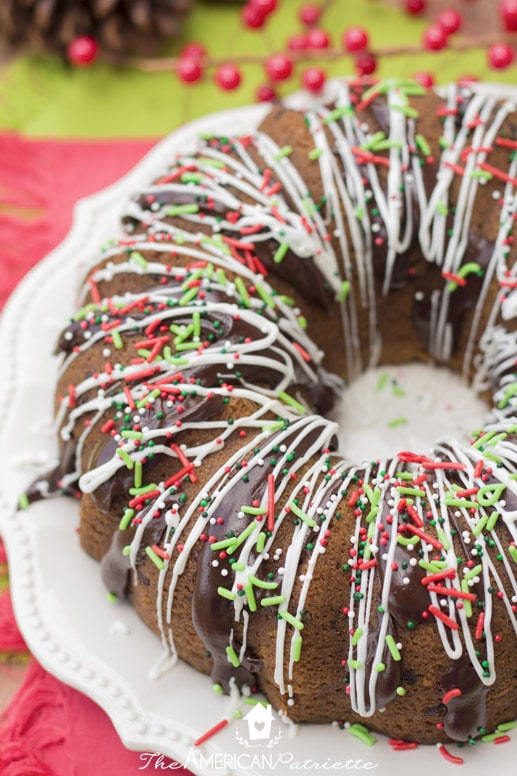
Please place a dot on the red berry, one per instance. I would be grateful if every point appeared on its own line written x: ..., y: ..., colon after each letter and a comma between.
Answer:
x: 297, y: 42
x: 450, y: 21
x: 189, y: 70
x: 435, y: 38
x: 279, y: 67
x: 317, y: 39
x: 194, y: 50
x: 265, y: 93
x: 265, y: 6
x: 415, y: 6
x: 500, y: 55
x: 82, y: 51
x: 424, y: 79
x: 365, y: 63
x: 253, y: 17
x: 310, y: 14
x: 508, y: 12
x: 228, y: 77
x: 313, y: 79
x: 355, y: 39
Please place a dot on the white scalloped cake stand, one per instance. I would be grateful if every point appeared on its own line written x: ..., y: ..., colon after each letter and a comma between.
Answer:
x: 102, y: 648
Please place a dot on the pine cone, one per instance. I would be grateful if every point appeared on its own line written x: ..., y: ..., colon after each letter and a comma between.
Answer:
x: 129, y: 26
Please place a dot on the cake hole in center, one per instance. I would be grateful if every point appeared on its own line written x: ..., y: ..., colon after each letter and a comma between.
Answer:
x: 410, y: 407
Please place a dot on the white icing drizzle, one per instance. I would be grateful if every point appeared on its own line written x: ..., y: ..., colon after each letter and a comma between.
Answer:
x: 457, y: 487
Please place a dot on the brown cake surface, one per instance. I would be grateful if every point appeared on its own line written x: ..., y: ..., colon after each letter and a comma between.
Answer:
x: 250, y: 278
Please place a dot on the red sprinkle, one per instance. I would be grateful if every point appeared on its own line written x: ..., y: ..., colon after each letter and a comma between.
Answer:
x: 271, y: 502
x: 453, y: 625
x: 450, y: 757
x: 450, y: 694
x: 209, y: 733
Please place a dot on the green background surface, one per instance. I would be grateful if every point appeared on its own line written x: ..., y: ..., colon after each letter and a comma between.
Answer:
x: 44, y: 97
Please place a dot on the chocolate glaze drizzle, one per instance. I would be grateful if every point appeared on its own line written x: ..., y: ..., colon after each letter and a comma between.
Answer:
x: 159, y: 374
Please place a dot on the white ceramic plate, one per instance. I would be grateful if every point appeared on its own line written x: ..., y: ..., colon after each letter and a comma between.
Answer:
x: 102, y: 648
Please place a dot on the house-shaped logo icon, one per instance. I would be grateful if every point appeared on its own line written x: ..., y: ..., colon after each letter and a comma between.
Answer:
x: 259, y: 722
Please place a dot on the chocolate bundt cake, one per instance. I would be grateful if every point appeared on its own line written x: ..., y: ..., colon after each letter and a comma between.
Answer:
x: 249, y: 280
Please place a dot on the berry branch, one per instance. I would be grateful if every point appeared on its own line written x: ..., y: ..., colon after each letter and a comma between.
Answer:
x: 313, y: 45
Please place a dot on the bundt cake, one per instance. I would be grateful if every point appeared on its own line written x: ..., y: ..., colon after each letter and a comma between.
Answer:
x: 249, y: 280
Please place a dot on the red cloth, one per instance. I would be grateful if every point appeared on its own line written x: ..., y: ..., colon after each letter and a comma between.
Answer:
x: 50, y: 729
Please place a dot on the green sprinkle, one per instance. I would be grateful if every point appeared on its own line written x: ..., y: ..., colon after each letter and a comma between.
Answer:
x: 510, y: 391
x: 142, y: 490
x: 126, y: 519
x: 117, y: 339
x: 280, y: 252
x: 380, y: 667
x: 261, y: 291
x: 356, y: 637
x: 23, y: 501
x: 188, y: 296
x: 250, y: 595
x: 360, y: 732
x: 233, y: 542
x: 492, y: 520
x: 407, y: 542
x: 315, y: 153
x: 512, y: 549
x: 208, y: 162
x: 286, y: 150
x: 138, y: 259
x: 443, y: 537
x: 253, y: 510
x: 505, y: 726
x: 287, y: 399
x: 423, y: 145
x: 459, y: 502
x: 125, y: 457
x: 467, y: 605
x: 243, y: 291
x: 473, y: 572
x: 489, y: 494
x: 400, y: 691
x: 224, y: 593
x: 261, y: 541
x: 480, y: 525
x: 412, y: 113
x: 131, y: 434
x: 392, y: 646
x: 182, y: 210
x: 442, y: 209
x: 378, y: 137
x: 217, y: 689
x: 291, y: 619
x: 337, y: 114
x: 397, y: 422
x: 355, y: 664
x: 295, y: 509
x: 126, y: 550
x: 273, y: 600
x: 138, y: 474
x: 297, y: 647
x: 158, y: 562
x: 262, y: 583
x: 233, y: 657
x: 309, y: 206
x: 344, y: 290
x: 405, y: 491
x: 381, y: 382
x: 221, y: 277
